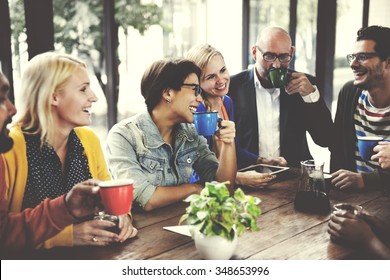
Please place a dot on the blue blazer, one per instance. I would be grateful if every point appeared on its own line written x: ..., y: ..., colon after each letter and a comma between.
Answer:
x: 244, y: 157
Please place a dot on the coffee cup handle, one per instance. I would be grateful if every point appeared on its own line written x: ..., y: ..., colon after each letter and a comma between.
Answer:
x: 288, y: 77
x: 219, y: 121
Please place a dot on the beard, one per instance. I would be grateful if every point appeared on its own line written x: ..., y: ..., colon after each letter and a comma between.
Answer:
x: 6, y: 142
x: 263, y: 76
x: 374, y: 78
x: 361, y: 86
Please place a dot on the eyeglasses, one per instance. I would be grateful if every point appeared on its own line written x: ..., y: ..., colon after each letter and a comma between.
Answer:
x: 361, y: 57
x: 195, y: 87
x: 271, y: 57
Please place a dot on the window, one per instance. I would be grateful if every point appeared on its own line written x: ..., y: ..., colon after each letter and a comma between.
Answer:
x: 379, y: 13
x: 306, y: 36
x: 347, y: 26
x: 266, y: 13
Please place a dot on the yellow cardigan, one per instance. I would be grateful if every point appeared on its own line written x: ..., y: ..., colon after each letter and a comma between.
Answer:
x: 16, y: 174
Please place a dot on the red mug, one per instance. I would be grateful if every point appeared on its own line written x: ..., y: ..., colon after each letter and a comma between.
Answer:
x: 117, y: 196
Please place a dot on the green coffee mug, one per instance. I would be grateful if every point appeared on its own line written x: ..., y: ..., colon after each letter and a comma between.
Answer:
x: 278, y: 77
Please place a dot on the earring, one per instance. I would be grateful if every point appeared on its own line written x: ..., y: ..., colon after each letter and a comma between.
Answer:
x: 168, y: 100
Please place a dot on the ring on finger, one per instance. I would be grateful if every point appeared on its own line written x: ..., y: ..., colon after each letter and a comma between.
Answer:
x: 94, y: 239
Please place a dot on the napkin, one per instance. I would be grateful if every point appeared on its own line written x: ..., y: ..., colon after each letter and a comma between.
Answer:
x: 184, y: 229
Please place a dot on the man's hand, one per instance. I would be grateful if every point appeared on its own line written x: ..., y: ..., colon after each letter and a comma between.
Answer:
x: 299, y: 83
x: 382, y: 155
x: 345, y: 179
x: 84, y: 199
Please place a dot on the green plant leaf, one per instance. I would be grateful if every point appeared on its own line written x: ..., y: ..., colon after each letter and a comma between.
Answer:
x: 239, y: 195
x: 191, y: 198
x: 202, y: 215
x: 183, y: 218
x: 253, y: 210
x: 216, y: 213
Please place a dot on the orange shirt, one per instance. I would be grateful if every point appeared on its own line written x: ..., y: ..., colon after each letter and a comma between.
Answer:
x: 30, y: 227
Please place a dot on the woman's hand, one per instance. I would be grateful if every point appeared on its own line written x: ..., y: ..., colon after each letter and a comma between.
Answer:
x: 254, y: 179
x: 280, y: 161
x: 126, y: 227
x: 227, y: 133
x: 94, y: 233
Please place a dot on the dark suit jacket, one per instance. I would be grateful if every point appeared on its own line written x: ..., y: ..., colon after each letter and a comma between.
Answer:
x: 296, y: 117
x: 343, y: 153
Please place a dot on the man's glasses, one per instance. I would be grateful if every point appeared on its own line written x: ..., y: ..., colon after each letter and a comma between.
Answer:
x: 361, y: 57
x: 195, y: 87
x: 271, y: 57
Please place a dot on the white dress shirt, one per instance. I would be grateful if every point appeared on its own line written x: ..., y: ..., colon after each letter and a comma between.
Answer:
x: 268, y: 116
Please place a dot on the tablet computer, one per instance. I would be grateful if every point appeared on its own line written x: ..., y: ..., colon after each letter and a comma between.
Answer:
x: 265, y: 168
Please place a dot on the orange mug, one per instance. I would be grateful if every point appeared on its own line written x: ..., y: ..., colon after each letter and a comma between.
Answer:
x: 117, y: 196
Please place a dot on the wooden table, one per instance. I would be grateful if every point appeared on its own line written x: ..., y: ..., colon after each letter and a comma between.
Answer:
x: 284, y: 232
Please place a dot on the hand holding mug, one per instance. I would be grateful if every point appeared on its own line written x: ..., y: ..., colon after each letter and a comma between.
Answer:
x: 348, y: 228
x: 127, y: 230
x: 382, y: 154
x: 366, y: 145
x: 83, y: 199
x: 94, y: 233
x: 299, y: 83
x: 227, y: 133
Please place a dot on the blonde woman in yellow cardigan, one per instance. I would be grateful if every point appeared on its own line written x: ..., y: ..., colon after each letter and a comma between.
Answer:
x: 53, y: 150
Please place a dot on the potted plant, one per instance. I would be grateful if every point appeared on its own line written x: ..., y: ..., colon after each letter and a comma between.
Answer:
x: 217, y: 219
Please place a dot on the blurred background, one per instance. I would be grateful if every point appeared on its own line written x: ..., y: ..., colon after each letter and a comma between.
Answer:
x: 119, y: 39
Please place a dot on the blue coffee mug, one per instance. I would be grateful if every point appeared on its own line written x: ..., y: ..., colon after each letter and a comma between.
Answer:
x: 206, y: 123
x: 366, y: 145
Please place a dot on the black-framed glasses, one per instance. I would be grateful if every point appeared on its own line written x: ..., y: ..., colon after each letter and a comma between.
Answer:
x: 361, y: 57
x: 195, y: 87
x: 271, y: 57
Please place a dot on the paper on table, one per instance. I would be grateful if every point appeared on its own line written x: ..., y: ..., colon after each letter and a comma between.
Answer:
x: 185, y: 230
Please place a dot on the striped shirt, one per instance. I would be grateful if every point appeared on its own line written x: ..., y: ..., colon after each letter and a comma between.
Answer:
x: 370, y: 121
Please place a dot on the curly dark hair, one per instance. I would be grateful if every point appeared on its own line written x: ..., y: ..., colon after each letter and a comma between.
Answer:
x: 380, y: 35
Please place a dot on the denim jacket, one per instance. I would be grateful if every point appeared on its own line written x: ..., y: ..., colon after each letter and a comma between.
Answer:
x: 136, y: 150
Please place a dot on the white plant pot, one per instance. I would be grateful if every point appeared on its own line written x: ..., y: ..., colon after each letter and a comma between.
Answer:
x: 214, y: 247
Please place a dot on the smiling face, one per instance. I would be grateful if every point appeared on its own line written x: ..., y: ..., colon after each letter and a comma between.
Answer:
x: 184, y: 102
x: 72, y: 104
x: 7, y: 110
x: 369, y: 73
x: 215, y: 77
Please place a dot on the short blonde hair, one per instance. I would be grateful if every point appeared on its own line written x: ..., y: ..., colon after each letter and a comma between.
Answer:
x: 45, y: 73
